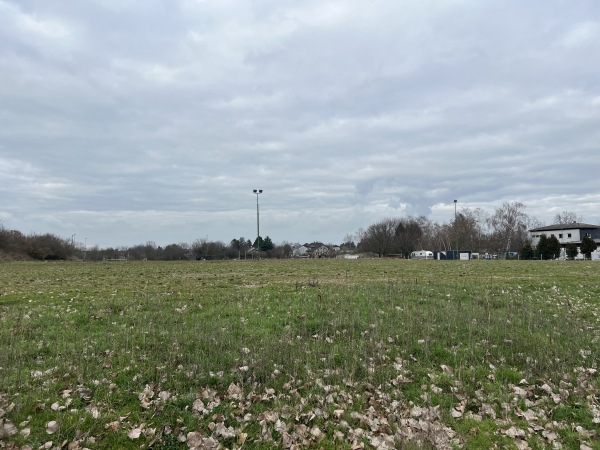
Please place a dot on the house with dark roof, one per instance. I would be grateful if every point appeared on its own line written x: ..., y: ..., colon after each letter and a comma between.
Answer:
x: 571, y: 233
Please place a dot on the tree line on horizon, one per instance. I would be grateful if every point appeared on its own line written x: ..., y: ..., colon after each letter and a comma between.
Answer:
x: 503, y: 232
x: 49, y: 247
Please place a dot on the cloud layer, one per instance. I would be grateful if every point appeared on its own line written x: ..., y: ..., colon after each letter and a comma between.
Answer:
x: 127, y: 121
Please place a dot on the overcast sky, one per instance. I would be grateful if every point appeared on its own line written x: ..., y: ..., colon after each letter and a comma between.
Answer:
x: 127, y: 121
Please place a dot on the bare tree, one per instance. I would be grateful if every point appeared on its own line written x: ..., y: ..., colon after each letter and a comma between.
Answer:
x: 240, y: 245
x: 533, y: 222
x: 481, y: 221
x: 408, y: 235
x: 567, y: 217
x: 380, y: 237
x: 509, y: 225
x: 348, y: 242
x: 49, y: 247
x: 176, y: 252
x: 428, y: 238
x: 440, y: 236
x: 4, y: 237
x: 464, y: 229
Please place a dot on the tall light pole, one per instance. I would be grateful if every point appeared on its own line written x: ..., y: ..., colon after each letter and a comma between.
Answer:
x: 257, y: 191
x: 455, y: 230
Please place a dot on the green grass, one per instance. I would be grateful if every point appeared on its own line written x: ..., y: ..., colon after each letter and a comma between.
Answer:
x: 341, y: 352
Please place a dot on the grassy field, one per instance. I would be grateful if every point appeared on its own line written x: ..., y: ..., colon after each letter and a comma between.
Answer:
x: 300, y: 354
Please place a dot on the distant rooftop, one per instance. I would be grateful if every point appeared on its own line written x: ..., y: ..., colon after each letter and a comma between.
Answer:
x: 567, y: 226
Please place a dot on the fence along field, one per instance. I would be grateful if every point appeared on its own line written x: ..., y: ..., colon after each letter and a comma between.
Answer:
x: 300, y: 354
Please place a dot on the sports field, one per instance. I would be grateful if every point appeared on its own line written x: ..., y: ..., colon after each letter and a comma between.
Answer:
x: 300, y: 354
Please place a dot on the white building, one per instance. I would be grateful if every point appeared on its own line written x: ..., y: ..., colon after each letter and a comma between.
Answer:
x: 566, y: 234
x: 300, y: 252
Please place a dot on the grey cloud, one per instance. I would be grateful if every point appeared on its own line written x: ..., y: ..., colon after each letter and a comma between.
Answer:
x: 156, y: 122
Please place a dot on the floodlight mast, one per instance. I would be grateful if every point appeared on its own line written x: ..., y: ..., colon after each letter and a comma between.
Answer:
x: 455, y: 231
x: 257, y: 191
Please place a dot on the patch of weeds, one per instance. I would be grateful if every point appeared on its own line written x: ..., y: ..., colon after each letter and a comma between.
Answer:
x: 445, y: 400
x: 478, y: 435
x: 168, y: 442
x: 508, y: 375
x: 573, y: 413
x: 411, y: 392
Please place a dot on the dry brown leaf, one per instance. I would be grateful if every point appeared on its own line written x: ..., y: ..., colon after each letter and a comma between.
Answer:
x: 8, y: 430
x: 416, y: 411
x: 52, y: 427
x: 301, y: 430
x: 225, y: 432
x: 194, y: 439
x: 514, y: 432
x: 134, y: 433
x: 280, y: 427
x: 528, y: 415
x: 199, y: 407
x: 316, y: 432
x: 585, y: 433
x: 113, y: 426
x: 457, y: 414
x: 519, y: 391
x: 271, y: 416
x: 85, y: 393
x: 234, y: 391
x: 446, y: 369
x: 550, y: 435
x: 521, y: 444
x: 473, y: 416
x: 487, y: 410
x: 93, y: 411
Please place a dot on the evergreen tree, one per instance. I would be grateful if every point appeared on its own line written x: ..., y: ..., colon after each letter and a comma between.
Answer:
x: 527, y: 251
x: 588, y: 246
x: 571, y: 251
x: 267, y: 244
x: 553, y: 247
x: 542, y: 247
